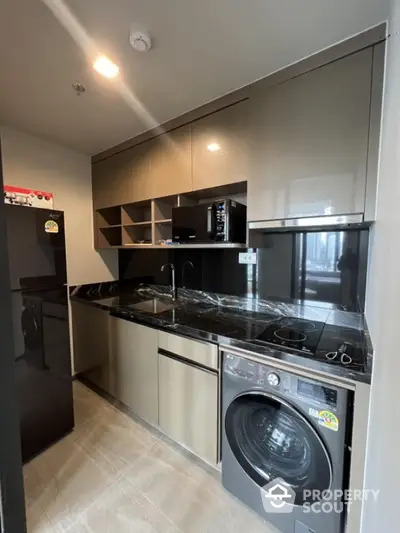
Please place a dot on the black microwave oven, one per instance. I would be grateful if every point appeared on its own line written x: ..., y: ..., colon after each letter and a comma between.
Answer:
x: 219, y: 221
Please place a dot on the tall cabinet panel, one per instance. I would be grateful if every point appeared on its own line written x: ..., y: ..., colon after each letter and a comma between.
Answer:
x: 310, y: 142
x: 220, y: 147
x: 171, y: 163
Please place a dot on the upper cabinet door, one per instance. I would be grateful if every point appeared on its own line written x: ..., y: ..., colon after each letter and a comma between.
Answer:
x: 110, y: 180
x: 138, y: 186
x: 310, y: 142
x: 122, y: 178
x: 170, y: 163
x: 220, y: 147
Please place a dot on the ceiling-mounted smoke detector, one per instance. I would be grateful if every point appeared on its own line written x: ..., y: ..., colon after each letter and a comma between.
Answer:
x: 140, y: 41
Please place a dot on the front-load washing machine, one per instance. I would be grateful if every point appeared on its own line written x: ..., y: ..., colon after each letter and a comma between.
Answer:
x: 280, y: 428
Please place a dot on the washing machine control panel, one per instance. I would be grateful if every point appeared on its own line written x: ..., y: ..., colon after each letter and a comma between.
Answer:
x: 256, y: 374
x: 271, y: 379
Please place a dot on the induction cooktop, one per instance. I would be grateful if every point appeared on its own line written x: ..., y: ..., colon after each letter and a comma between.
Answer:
x: 296, y: 334
x: 314, y: 340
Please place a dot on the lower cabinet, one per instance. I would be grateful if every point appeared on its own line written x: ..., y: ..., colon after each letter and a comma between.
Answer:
x: 91, y: 337
x: 170, y: 381
x: 135, y: 360
x: 188, y: 402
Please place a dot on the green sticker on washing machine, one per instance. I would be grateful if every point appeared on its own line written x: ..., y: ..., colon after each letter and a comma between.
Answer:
x: 328, y: 420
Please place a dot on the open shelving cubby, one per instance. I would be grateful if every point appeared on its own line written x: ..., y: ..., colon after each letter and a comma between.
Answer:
x: 109, y: 237
x: 139, y: 234
x: 148, y: 223
x: 138, y: 213
x: 163, y: 208
x: 163, y: 218
x: 109, y: 217
x: 108, y: 222
x: 137, y: 223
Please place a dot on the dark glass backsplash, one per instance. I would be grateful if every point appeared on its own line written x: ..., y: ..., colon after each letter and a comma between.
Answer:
x: 323, y: 266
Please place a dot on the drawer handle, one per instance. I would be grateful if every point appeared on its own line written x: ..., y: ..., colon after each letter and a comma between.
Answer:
x: 186, y: 361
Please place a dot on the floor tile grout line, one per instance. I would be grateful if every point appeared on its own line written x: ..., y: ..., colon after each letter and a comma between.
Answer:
x: 160, y: 511
x: 95, y: 501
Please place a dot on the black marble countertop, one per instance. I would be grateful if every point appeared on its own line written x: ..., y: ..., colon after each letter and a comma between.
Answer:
x: 233, y: 321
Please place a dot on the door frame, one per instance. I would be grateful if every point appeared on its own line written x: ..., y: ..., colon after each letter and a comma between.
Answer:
x: 12, y: 502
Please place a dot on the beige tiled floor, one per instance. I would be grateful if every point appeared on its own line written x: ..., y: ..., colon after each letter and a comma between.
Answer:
x: 113, y: 475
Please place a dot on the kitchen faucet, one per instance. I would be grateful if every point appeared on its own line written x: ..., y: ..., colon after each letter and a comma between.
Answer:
x: 173, y: 287
x: 189, y: 263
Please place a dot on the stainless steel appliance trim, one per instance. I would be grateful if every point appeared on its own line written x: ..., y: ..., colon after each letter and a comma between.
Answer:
x: 209, y: 219
x: 375, y: 125
x: 206, y: 245
x: 291, y: 367
x: 219, y: 414
x: 328, y: 220
x: 227, y: 220
x: 359, y: 442
x: 188, y: 362
x: 299, y: 414
x: 1, y: 508
x: 202, y: 245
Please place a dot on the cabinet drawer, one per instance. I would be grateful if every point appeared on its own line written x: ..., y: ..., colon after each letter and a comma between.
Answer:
x: 199, y: 352
x: 188, y: 406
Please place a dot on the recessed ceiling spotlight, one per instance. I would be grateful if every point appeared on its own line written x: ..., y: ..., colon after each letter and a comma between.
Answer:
x: 213, y: 147
x: 106, y: 67
x: 140, y: 41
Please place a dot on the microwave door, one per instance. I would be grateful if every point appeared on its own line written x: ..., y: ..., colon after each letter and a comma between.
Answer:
x: 189, y: 224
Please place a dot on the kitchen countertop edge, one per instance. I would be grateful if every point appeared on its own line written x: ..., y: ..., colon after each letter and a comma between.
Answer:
x: 159, y: 323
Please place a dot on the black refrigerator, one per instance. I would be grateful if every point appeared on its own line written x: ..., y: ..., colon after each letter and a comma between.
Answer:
x: 37, y: 261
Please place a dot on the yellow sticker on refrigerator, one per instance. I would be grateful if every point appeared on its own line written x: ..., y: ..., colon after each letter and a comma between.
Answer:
x: 51, y: 227
x: 328, y: 420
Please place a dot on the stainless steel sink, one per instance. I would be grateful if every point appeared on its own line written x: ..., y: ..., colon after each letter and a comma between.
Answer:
x: 154, y: 306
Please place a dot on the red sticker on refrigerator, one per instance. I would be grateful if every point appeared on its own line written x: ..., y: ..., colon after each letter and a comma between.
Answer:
x: 28, y: 197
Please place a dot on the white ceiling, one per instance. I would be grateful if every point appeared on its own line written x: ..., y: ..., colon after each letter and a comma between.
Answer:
x: 202, y: 50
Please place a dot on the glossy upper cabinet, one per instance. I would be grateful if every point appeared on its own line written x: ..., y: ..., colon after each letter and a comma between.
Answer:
x: 137, y: 184
x: 220, y: 147
x: 170, y: 163
x: 122, y: 178
x: 310, y: 142
x: 109, y: 180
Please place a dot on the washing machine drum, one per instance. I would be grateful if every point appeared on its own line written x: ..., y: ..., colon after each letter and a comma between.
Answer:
x: 271, y: 439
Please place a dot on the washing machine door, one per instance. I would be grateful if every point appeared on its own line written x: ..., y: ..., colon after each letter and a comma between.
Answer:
x: 272, y: 439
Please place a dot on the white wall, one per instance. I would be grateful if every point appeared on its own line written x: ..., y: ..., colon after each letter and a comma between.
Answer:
x: 33, y: 163
x: 383, y: 310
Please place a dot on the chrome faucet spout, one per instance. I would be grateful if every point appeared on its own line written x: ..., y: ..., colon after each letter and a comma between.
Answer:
x: 173, y: 287
x: 186, y: 263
